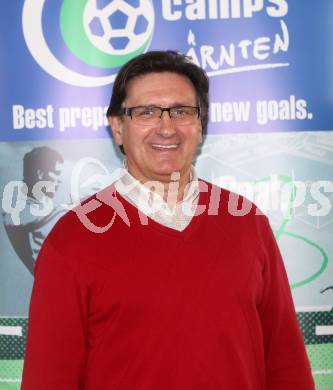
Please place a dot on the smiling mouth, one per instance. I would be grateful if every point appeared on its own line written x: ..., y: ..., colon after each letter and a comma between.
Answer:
x: 164, y: 147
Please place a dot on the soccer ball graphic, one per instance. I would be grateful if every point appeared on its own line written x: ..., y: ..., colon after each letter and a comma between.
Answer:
x: 120, y: 26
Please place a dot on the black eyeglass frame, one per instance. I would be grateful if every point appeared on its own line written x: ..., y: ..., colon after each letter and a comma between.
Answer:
x: 128, y: 110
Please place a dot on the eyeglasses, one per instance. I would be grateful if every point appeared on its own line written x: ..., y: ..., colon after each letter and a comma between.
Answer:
x: 151, y: 115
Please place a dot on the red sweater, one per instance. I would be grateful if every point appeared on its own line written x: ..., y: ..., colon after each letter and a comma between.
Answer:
x: 146, y: 307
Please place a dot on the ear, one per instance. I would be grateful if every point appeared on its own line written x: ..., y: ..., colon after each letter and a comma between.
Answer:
x: 116, y: 124
x: 200, y: 136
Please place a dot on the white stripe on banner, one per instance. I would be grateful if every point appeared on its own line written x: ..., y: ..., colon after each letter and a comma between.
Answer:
x: 11, y: 330
x: 329, y: 371
x: 324, y: 330
x: 9, y: 380
x: 301, y: 309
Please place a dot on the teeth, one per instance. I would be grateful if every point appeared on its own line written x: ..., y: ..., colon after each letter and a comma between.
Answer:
x: 164, y: 146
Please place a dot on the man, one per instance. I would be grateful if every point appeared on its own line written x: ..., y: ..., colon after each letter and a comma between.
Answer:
x: 42, y: 168
x: 177, y: 293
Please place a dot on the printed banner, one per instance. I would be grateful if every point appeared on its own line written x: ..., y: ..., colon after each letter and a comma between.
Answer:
x: 270, y: 132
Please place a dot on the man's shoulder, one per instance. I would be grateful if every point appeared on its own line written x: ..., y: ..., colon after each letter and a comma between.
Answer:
x: 233, y: 213
x: 222, y: 201
x: 88, y: 218
x: 87, y: 232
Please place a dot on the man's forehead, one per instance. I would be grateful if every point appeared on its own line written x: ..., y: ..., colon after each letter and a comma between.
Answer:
x: 161, y: 85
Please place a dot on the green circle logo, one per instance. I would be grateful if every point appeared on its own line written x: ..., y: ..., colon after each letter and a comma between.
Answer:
x: 107, y: 35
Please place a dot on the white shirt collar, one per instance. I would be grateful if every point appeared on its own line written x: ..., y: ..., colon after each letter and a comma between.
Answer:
x: 152, y: 203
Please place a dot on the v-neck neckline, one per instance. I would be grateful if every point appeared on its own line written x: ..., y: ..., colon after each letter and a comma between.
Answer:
x: 134, y: 217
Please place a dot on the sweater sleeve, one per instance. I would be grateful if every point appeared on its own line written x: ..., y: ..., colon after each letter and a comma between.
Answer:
x: 287, y: 365
x: 55, y: 351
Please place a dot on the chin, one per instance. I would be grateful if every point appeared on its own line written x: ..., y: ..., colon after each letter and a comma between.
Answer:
x: 168, y: 168
x: 167, y: 171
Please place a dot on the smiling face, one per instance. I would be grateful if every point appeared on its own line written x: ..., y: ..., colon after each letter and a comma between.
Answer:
x: 155, y: 152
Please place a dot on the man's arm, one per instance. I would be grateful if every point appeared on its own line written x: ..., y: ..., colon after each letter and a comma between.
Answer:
x: 287, y: 365
x: 55, y: 353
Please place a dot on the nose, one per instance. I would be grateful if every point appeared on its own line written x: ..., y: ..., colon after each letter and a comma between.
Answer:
x: 166, y: 127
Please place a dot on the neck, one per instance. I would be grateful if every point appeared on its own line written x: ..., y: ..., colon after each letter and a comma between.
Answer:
x: 174, y: 189
x: 170, y: 187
